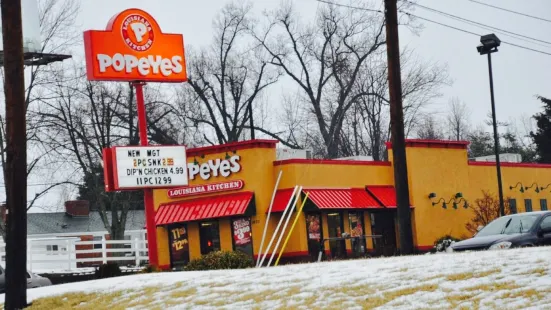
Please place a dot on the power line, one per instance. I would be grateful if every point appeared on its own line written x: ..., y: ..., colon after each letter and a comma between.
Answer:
x: 473, y: 33
x: 441, y: 24
x: 476, y: 23
x: 511, y: 11
x: 350, y: 6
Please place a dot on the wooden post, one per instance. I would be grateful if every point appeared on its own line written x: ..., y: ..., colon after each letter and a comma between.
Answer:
x: 104, y: 249
x: 16, y: 155
x: 397, y: 128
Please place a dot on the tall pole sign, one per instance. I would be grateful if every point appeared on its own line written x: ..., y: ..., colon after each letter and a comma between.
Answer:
x: 133, y: 49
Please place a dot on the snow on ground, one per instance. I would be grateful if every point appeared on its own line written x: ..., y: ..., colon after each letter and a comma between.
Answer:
x: 506, y: 279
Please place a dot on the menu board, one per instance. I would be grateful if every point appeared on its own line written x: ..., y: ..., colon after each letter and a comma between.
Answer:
x: 242, y: 231
x: 179, y: 247
x: 313, y: 223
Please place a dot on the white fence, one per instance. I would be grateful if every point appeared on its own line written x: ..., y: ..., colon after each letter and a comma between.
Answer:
x: 68, y: 253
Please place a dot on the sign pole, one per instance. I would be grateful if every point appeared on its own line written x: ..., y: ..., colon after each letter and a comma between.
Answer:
x: 148, y: 193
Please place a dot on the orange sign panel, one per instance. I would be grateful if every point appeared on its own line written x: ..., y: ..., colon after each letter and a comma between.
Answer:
x: 133, y: 48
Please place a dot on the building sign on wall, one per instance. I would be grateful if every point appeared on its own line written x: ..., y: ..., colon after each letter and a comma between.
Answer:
x: 214, y: 168
x: 242, y: 231
x: 314, y: 227
x: 149, y: 167
x: 133, y: 48
x: 178, y: 239
x: 205, y: 189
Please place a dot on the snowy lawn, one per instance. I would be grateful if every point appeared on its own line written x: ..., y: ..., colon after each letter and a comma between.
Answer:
x: 507, y: 279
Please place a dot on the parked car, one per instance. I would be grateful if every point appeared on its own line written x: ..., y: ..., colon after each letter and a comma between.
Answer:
x: 33, y: 280
x: 511, y: 231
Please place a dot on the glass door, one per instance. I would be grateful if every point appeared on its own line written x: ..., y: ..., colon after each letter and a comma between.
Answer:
x: 209, y: 233
x: 336, y: 227
x: 315, y: 235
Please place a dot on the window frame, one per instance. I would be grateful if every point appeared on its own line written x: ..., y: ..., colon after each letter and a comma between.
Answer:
x: 528, y: 205
x: 543, y: 220
x: 543, y: 204
x: 513, y: 206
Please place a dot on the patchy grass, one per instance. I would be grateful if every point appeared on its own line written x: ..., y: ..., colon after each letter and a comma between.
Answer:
x: 470, y: 275
x: 388, y: 296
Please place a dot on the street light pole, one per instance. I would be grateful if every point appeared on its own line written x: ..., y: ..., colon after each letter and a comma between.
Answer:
x: 496, y: 139
x: 489, y: 45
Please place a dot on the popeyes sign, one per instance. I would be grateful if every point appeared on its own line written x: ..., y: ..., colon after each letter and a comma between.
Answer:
x: 133, y: 48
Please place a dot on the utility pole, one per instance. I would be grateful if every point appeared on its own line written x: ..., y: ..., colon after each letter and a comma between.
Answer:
x: 397, y: 128
x: 16, y: 155
x: 251, y: 119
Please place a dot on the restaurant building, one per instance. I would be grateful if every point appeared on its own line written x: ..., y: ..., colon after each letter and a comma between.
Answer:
x: 230, y: 189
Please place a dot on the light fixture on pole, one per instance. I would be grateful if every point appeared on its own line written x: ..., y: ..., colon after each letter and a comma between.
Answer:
x: 489, y: 45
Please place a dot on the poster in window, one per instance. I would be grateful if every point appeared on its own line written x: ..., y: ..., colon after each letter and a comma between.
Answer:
x: 178, y: 238
x: 356, y: 228
x: 242, y: 231
x: 314, y: 226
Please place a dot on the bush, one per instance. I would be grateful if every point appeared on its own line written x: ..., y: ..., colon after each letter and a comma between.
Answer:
x: 108, y: 270
x: 221, y: 260
x: 442, y: 243
x: 150, y: 269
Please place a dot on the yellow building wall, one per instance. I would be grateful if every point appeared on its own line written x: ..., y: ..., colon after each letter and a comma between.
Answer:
x: 445, y: 172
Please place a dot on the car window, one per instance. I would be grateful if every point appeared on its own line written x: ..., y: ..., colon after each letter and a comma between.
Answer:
x: 509, y: 225
x: 546, y: 223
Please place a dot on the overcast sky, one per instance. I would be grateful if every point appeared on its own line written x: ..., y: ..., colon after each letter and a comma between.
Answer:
x: 519, y: 74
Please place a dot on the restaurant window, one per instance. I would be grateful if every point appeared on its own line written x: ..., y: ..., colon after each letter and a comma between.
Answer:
x: 315, y: 235
x: 513, y: 205
x: 357, y: 230
x: 528, y: 205
x: 179, y: 247
x: 335, y: 227
x: 209, y: 233
x: 543, y: 204
x: 242, y: 235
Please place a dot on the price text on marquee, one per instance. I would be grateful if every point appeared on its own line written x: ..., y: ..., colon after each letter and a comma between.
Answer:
x: 154, y: 166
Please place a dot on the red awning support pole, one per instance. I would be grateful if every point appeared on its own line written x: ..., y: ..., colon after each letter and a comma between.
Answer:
x: 268, y: 218
x: 148, y: 193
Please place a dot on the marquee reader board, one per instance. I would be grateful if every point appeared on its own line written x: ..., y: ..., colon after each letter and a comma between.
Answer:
x: 138, y: 167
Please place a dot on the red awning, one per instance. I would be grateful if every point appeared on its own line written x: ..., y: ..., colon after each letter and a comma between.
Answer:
x: 385, y: 194
x: 342, y: 198
x: 281, y: 199
x: 204, y: 208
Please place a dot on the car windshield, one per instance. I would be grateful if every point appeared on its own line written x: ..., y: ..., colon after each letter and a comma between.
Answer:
x: 509, y: 225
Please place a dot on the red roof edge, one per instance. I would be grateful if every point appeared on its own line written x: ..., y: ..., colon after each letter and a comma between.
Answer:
x: 234, y: 146
x: 442, y: 144
x: 512, y: 165
x: 331, y: 162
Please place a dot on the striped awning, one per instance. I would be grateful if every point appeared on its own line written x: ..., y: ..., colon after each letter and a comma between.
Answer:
x: 342, y: 198
x: 385, y: 194
x: 205, y: 208
x: 281, y: 200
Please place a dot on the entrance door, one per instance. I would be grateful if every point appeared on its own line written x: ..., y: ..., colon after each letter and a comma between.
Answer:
x: 179, y: 247
x: 382, y: 223
x: 336, y: 227
x: 209, y: 233
x: 314, y: 233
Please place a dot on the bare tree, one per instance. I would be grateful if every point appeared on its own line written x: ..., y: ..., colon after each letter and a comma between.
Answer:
x: 324, y: 60
x: 227, y: 78
x: 458, y: 119
x: 429, y: 128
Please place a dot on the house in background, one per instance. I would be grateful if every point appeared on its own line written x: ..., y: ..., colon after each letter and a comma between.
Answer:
x: 57, y: 232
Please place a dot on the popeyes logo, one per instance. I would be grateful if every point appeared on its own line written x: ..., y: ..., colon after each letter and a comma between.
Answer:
x: 133, y: 48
